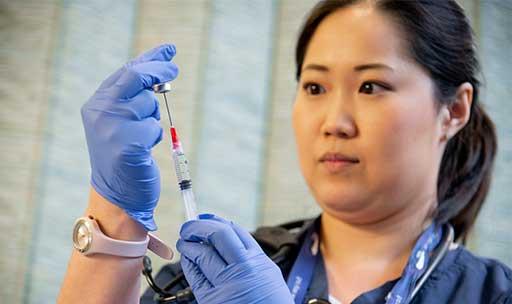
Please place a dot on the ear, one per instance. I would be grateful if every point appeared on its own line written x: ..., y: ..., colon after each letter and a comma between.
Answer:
x: 456, y: 115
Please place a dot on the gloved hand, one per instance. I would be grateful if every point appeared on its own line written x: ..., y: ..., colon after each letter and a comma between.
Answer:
x: 121, y: 122
x: 224, y: 264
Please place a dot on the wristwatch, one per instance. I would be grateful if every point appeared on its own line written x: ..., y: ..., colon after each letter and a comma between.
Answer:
x: 89, y: 239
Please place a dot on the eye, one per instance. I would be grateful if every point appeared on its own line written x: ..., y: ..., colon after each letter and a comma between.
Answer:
x: 312, y: 88
x: 371, y: 87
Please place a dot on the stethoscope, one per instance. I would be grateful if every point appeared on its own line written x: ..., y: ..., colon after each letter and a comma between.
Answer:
x: 162, y: 295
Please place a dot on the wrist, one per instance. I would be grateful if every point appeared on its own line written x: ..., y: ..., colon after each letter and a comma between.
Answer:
x: 114, y: 222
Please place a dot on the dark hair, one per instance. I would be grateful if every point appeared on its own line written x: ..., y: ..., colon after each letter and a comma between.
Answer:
x: 441, y: 40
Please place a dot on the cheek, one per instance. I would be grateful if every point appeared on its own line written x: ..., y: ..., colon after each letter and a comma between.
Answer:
x: 399, y: 144
x: 303, y: 127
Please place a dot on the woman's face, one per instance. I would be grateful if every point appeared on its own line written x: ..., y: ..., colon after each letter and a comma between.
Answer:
x: 362, y: 98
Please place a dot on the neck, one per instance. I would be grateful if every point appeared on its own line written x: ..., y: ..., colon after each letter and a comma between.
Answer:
x: 364, y: 256
x: 387, y: 238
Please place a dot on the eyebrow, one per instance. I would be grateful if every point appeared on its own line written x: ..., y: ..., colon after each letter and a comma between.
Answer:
x: 359, y: 68
x: 377, y: 65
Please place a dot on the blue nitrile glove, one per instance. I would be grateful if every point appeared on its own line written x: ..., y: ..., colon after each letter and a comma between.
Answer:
x: 224, y: 264
x: 121, y: 122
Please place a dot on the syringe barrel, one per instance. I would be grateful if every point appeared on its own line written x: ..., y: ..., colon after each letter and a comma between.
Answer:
x: 181, y: 165
x: 190, y: 203
x: 184, y: 181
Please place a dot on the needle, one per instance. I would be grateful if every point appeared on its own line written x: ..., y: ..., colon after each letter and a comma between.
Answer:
x: 168, y: 112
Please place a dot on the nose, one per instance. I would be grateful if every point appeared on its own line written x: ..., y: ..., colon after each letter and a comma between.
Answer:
x: 339, y: 121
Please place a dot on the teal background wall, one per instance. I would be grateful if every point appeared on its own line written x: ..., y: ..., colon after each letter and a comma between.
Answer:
x: 232, y: 105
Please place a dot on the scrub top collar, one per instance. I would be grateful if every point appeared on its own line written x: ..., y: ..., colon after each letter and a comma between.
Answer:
x: 318, y: 287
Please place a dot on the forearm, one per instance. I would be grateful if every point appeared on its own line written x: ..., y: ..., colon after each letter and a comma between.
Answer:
x: 101, y: 278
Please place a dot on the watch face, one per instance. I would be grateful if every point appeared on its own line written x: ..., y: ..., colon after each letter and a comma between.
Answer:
x: 82, y: 235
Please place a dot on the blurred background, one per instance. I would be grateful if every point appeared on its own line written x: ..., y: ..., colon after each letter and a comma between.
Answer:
x: 232, y: 105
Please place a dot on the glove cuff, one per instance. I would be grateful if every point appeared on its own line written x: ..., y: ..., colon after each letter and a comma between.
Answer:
x: 145, y: 218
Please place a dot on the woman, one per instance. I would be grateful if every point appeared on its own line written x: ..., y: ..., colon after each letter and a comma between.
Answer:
x: 392, y: 142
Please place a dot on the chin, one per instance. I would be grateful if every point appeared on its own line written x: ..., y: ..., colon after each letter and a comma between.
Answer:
x: 344, y: 200
x: 353, y: 209
x: 341, y: 202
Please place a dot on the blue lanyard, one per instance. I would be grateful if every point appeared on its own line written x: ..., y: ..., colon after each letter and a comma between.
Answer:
x: 302, y: 271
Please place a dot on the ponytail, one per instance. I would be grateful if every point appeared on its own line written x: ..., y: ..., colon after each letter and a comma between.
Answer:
x: 465, y: 172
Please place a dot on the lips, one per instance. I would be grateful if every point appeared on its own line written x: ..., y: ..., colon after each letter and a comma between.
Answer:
x: 337, y: 157
x: 335, y: 162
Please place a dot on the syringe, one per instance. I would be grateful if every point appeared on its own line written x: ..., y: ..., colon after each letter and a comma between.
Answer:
x: 180, y: 161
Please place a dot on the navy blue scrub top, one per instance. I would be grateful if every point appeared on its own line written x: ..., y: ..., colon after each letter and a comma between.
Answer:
x: 461, y: 277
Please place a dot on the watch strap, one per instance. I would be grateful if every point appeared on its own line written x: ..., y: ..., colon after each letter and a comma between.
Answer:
x: 159, y: 248
x: 132, y: 249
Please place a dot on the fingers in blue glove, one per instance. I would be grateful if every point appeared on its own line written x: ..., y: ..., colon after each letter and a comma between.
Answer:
x: 194, y: 275
x: 219, y: 235
x: 142, y: 105
x: 121, y: 126
x: 164, y: 52
x: 138, y: 136
x: 142, y: 76
x: 205, y: 257
x: 205, y: 246
x: 246, y: 238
